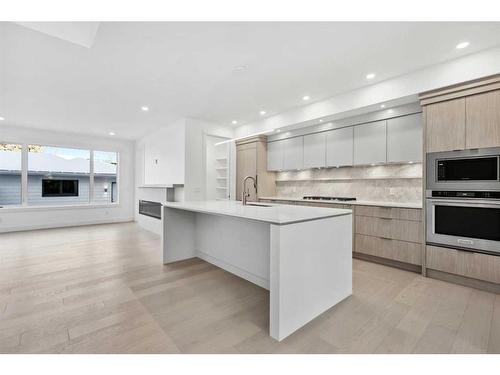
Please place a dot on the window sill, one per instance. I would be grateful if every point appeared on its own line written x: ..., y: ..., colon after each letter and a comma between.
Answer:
x: 50, y: 208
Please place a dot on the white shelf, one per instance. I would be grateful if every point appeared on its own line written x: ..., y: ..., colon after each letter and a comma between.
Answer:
x: 221, y: 178
x: 221, y: 187
x: 221, y: 168
x: 220, y: 159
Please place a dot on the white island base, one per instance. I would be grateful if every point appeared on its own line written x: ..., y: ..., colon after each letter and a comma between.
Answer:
x: 302, y: 255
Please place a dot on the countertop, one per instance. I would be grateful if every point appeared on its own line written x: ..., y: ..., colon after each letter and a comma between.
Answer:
x: 353, y: 203
x: 274, y: 214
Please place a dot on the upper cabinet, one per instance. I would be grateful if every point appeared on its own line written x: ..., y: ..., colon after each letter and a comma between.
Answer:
x: 404, y: 138
x: 464, y: 116
x: 293, y: 153
x: 482, y: 127
x: 314, y: 150
x: 275, y: 156
x: 339, y: 147
x: 445, y: 125
x: 370, y: 143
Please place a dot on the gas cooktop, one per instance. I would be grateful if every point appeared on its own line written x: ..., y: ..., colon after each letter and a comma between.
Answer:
x: 320, y: 198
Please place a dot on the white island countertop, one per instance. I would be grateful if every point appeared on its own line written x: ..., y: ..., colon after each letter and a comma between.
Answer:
x: 275, y: 214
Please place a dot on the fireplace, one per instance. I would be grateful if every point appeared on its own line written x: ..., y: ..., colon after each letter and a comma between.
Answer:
x: 151, y: 209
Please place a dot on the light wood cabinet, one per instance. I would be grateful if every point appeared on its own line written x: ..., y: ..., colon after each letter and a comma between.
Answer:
x: 314, y: 150
x: 370, y: 143
x: 403, y: 230
x: 339, y: 147
x: 483, y: 120
x: 401, y: 251
x: 445, y: 125
x: 293, y: 153
x: 275, y: 156
x: 389, y: 233
x: 464, y: 263
x: 246, y: 165
x: 404, y: 138
x: 251, y: 160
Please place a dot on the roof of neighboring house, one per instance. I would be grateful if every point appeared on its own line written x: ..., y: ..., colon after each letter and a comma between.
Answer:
x: 41, y: 162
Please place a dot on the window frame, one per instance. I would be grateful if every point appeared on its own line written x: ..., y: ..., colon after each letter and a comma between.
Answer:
x: 24, y: 179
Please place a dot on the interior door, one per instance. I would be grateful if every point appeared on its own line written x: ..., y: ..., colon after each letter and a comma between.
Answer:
x: 246, y: 165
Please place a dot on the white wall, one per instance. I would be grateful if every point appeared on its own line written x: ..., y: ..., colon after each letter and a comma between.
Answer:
x: 191, y: 165
x: 42, y: 217
x: 167, y: 147
x: 466, y: 68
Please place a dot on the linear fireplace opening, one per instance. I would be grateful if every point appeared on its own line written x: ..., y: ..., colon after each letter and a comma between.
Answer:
x: 149, y: 208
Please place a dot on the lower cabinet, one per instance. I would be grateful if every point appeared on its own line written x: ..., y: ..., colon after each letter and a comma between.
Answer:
x: 477, y: 266
x: 388, y: 235
x: 401, y: 251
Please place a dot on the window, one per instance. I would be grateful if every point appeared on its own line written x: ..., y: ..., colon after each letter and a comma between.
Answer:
x: 38, y: 175
x: 59, y: 188
x: 58, y: 176
x: 105, y: 177
x: 10, y: 174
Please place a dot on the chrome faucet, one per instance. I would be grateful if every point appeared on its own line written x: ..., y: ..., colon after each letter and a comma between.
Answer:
x: 244, y: 194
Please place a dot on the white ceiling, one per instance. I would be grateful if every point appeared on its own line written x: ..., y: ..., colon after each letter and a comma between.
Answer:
x: 190, y: 69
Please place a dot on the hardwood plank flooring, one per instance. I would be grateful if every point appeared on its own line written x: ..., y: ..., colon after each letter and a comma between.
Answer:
x: 104, y: 289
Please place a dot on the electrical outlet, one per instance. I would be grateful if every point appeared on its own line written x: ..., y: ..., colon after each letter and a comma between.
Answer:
x: 392, y: 191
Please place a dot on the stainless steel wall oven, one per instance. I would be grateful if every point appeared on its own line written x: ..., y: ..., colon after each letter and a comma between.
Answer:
x: 463, y: 199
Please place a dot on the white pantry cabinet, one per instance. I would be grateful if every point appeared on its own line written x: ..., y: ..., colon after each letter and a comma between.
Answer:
x: 339, y: 147
x: 404, y: 138
x: 370, y: 143
x: 293, y: 153
x: 315, y: 150
x: 275, y: 156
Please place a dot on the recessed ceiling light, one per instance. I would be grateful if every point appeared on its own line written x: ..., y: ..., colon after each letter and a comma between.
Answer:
x: 306, y: 97
x: 262, y: 113
x: 320, y: 120
x: 370, y: 76
x: 382, y: 106
x: 240, y: 68
x: 278, y: 130
x: 234, y: 122
x: 144, y: 108
x: 111, y: 133
x: 1, y: 118
x: 410, y: 162
x: 462, y: 45
x: 372, y: 164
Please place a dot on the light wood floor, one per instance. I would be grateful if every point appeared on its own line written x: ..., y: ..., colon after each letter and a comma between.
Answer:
x: 103, y: 289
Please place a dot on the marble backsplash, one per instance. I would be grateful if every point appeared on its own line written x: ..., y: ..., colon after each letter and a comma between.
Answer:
x: 386, y: 183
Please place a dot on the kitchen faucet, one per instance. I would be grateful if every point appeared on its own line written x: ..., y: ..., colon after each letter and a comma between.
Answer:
x: 244, y: 194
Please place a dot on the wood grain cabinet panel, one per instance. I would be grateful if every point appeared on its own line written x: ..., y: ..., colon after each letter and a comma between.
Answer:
x: 401, y: 251
x: 403, y: 230
x: 445, y: 125
x: 483, y: 120
x: 413, y: 214
x: 464, y: 263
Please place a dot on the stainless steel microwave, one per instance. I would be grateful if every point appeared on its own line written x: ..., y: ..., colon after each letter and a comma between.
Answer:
x: 466, y: 170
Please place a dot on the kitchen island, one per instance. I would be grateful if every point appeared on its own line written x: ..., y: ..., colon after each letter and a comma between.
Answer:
x: 302, y: 255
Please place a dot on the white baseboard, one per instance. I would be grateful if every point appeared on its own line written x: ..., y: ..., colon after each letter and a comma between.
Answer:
x: 63, y: 225
x: 263, y: 283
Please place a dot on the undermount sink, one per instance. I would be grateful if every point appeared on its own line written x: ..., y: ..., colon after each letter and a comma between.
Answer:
x: 258, y: 205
